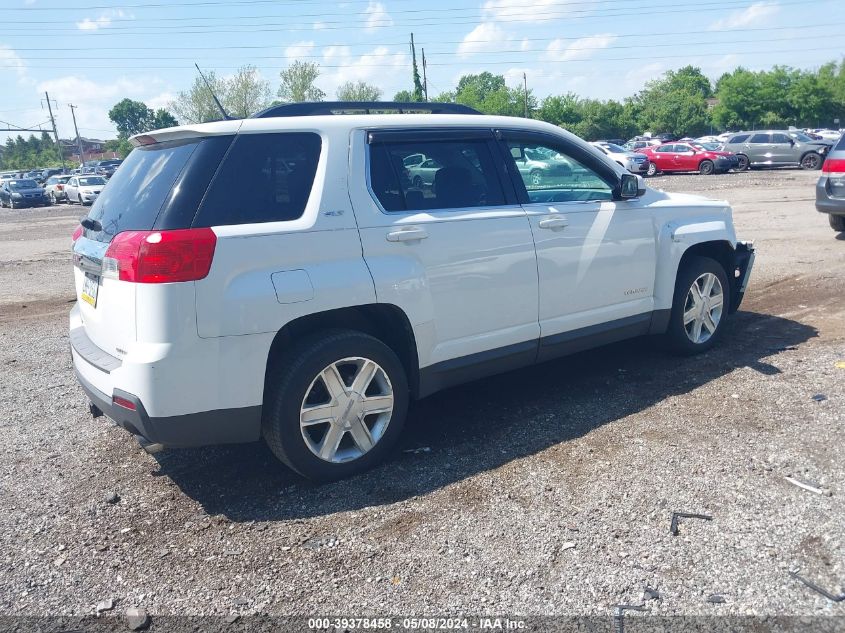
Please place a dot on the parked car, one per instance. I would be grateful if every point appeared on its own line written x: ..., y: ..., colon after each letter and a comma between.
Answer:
x: 676, y: 157
x: 311, y: 307
x: 539, y: 165
x: 777, y: 148
x: 414, y: 160
x: 634, y: 162
x: 830, y: 188
x: 23, y: 192
x: 84, y: 189
x: 829, y: 135
x: 639, y: 145
x: 106, y: 168
x: 51, y: 171
x: 55, y: 188
x: 422, y: 174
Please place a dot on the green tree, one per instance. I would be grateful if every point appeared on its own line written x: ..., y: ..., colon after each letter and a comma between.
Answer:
x: 196, y: 105
x: 676, y: 103
x: 489, y: 94
x: 246, y: 93
x: 297, y: 83
x: 162, y: 119
x: 131, y: 117
x: 358, y: 91
x: 405, y: 96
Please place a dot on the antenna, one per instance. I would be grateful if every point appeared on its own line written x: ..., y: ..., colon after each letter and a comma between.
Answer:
x: 213, y: 96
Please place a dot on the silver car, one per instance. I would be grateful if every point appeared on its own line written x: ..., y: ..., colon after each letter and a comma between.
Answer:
x: 632, y: 161
x: 777, y: 148
x: 84, y: 189
x: 55, y: 187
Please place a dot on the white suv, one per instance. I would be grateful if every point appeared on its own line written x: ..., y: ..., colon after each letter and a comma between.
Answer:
x: 282, y: 276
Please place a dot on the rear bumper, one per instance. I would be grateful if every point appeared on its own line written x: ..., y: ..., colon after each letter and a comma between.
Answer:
x: 743, y: 263
x: 825, y: 203
x: 224, y: 426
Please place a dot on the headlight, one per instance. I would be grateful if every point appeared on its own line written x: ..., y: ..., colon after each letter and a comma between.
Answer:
x: 17, y: 195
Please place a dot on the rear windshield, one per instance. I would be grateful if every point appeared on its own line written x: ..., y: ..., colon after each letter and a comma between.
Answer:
x: 91, y: 181
x: 136, y: 193
x: 841, y: 143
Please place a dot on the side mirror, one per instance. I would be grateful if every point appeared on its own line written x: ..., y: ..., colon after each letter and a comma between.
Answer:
x: 792, y: 142
x: 630, y: 186
x: 516, y: 152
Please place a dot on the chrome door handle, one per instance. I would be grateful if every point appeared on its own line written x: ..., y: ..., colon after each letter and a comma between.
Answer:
x: 553, y: 223
x: 407, y: 235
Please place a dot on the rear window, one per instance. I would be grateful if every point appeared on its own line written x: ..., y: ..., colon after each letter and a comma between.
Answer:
x: 264, y: 178
x: 739, y: 139
x: 841, y: 143
x: 157, y: 186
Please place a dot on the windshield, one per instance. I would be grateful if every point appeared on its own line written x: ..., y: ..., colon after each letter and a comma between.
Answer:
x: 711, y: 147
x: 612, y: 147
x: 800, y: 136
x: 91, y: 181
x: 23, y: 184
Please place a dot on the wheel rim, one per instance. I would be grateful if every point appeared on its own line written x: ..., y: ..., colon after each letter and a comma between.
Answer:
x: 346, y: 410
x: 707, y: 169
x: 652, y: 169
x: 703, y: 308
x: 811, y: 161
x: 535, y: 178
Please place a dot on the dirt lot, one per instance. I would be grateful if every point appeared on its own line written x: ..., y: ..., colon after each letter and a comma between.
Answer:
x: 547, y: 491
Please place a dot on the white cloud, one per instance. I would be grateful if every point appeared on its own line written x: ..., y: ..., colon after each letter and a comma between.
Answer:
x: 377, y: 16
x: 10, y: 60
x: 757, y: 12
x: 105, y: 19
x: 298, y: 50
x: 583, y: 48
x: 538, y: 11
x: 386, y: 69
x: 319, y: 26
x: 484, y: 38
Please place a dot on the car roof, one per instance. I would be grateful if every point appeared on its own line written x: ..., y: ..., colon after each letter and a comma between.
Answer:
x: 347, y: 122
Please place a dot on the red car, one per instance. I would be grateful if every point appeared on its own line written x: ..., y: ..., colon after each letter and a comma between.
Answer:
x: 686, y: 157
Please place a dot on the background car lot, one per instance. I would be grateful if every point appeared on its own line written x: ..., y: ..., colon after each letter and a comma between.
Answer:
x: 493, y: 485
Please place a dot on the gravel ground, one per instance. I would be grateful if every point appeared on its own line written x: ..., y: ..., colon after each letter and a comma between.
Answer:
x: 544, y: 491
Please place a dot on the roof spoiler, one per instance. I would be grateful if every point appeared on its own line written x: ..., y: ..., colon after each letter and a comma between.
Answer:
x: 321, y: 108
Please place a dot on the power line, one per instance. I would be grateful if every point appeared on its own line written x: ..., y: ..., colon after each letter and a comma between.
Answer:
x: 446, y: 19
x: 649, y: 45
x: 479, y: 41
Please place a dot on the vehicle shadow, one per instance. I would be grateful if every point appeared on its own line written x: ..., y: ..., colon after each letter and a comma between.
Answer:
x: 458, y: 433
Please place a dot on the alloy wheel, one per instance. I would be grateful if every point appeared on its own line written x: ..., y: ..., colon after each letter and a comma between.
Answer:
x: 703, y: 308
x: 346, y: 409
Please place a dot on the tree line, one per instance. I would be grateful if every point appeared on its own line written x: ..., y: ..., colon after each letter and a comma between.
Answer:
x: 683, y: 102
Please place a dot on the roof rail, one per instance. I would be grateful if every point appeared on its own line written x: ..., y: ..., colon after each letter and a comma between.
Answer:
x: 362, y: 107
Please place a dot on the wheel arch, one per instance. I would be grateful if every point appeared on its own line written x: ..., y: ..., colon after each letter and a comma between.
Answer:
x: 384, y: 321
x: 720, y: 250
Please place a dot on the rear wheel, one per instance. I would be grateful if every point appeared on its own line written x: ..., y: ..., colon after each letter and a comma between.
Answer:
x: 699, y: 306
x: 743, y: 162
x: 11, y: 203
x: 837, y: 222
x: 706, y: 168
x: 811, y: 160
x: 335, y: 404
x: 53, y: 200
x: 652, y: 170
x: 536, y: 177
x: 418, y: 182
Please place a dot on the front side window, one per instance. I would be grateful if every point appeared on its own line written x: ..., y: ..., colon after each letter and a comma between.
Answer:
x: 264, y: 178
x: 759, y: 138
x: 665, y: 149
x: 780, y: 138
x: 741, y: 138
x: 550, y: 174
x: 457, y: 173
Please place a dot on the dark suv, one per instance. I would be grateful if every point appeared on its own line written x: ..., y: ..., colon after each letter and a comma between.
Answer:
x: 777, y: 148
x: 830, y: 189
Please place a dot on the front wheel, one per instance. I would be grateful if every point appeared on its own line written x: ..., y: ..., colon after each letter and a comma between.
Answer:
x: 418, y: 182
x: 652, y: 170
x: 837, y: 222
x: 536, y: 177
x: 53, y: 200
x: 11, y: 203
x: 335, y: 404
x: 743, y: 163
x: 706, y: 168
x: 699, y: 307
x: 811, y: 160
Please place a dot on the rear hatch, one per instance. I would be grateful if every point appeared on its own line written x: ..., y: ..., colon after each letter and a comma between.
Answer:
x: 158, y: 187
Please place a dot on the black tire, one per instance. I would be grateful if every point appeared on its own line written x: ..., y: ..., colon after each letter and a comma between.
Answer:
x: 706, y: 168
x: 837, y: 222
x: 418, y: 182
x: 652, y: 170
x: 535, y: 176
x: 744, y: 163
x: 53, y: 200
x: 11, y: 203
x: 676, y: 334
x: 289, y: 379
x: 811, y: 161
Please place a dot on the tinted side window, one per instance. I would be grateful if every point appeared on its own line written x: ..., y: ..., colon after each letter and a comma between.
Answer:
x: 759, y: 138
x: 780, y: 138
x: 665, y: 149
x: 264, y: 178
x: 456, y: 174
x: 741, y: 138
x: 841, y: 144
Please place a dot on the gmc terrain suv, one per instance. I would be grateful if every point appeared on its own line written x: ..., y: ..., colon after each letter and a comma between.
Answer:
x: 283, y: 277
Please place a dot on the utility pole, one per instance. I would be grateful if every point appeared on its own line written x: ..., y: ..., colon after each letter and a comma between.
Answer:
x: 76, y: 129
x: 425, y: 79
x: 55, y: 131
x: 525, y: 87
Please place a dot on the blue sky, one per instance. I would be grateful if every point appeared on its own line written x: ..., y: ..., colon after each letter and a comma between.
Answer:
x: 92, y: 53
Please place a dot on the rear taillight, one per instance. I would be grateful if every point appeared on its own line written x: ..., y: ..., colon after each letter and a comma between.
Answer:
x: 77, y: 233
x: 834, y: 166
x: 123, y: 402
x: 60, y: 187
x: 156, y: 257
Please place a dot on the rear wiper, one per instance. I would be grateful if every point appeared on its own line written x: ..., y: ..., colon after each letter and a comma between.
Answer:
x: 91, y: 225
